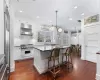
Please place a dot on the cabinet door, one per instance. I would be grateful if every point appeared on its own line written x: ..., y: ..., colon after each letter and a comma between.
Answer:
x: 45, y: 36
x: 65, y: 39
x: 17, y: 53
x: 98, y: 65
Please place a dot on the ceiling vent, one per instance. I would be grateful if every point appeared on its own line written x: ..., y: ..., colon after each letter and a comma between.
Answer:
x: 79, y: 21
x: 65, y: 31
x: 25, y: 1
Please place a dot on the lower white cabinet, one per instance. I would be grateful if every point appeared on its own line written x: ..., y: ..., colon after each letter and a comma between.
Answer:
x: 98, y: 67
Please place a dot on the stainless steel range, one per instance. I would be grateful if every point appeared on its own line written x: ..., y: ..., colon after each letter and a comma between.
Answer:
x: 26, y: 50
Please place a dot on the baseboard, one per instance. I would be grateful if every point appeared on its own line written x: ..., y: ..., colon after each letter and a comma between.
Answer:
x: 36, y: 67
x: 12, y: 69
x: 97, y: 77
x: 82, y: 58
x: 91, y: 59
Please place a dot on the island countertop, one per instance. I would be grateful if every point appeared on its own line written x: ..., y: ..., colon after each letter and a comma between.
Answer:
x: 45, y: 47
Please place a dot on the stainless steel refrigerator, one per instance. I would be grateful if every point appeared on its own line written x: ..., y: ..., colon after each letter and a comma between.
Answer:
x: 5, y: 58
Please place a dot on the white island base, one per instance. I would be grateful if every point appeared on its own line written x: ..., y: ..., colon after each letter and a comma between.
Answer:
x: 41, y: 59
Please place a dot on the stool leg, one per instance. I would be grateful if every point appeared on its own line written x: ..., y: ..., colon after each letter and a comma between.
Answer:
x: 71, y: 61
x: 58, y: 63
x: 53, y: 66
x: 53, y: 62
x: 68, y: 62
x: 48, y: 64
x: 66, y: 58
x: 62, y: 58
x: 54, y: 70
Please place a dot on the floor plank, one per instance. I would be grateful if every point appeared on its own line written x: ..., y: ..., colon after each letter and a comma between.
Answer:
x: 82, y: 70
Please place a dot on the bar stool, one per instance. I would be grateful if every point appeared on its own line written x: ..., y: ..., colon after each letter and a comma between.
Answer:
x: 68, y: 56
x: 53, y: 58
x: 78, y: 50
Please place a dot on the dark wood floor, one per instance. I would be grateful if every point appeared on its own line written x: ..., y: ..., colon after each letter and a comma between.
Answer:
x: 83, y: 70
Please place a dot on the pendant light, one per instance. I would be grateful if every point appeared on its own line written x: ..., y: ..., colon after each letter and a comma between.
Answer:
x: 60, y: 29
x: 56, y: 20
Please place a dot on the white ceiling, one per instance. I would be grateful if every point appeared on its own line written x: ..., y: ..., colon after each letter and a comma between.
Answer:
x: 45, y: 9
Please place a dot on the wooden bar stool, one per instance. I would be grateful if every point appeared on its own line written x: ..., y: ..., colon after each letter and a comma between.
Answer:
x: 68, y: 56
x: 53, y: 58
x: 78, y: 50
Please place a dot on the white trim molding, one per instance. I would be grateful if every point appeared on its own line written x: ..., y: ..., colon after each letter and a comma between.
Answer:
x: 12, y: 69
x: 97, y: 77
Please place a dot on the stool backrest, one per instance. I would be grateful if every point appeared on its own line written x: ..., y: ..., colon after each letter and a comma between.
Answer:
x: 68, y: 51
x: 55, y: 52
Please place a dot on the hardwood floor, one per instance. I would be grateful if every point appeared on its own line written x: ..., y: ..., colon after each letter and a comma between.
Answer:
x: 83, y: 70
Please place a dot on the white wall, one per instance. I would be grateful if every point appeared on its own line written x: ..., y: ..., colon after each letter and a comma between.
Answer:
x: 1, y: 26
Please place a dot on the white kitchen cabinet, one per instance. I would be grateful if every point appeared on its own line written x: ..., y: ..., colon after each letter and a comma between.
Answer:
x: 17, y: 53
x: 98, y: 67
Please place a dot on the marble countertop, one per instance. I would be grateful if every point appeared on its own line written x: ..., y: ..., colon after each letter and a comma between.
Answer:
x: 48, y: 48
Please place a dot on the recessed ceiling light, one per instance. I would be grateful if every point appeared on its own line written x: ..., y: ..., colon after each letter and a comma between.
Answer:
x: 75, y: 7
x: 37, y: 17
x: 70, y: 19
x: 20, y: 11
x: 82, y: 14
x: 50, y: 21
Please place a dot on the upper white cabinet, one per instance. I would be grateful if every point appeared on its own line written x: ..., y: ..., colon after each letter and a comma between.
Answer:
x: 22, y: 29
x: 26, y: 30
x: 45, y: 36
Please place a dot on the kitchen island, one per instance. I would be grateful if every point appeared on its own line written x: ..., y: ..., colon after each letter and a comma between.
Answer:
x: 41, y: 54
